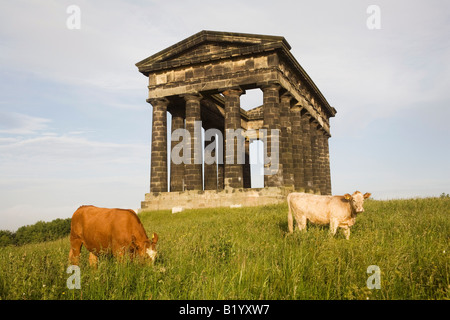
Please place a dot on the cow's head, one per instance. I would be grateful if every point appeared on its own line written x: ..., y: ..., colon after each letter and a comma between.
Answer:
x: 151, y: 250
x: 357, y: 200
x: 146, y: 249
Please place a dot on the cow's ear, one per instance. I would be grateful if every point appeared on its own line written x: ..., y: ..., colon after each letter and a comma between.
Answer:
x: 154, y: 238
x: 347, y: 196
x: 367, y: 194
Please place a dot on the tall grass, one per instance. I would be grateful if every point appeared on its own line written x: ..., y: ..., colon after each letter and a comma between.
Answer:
x: 247, y: 253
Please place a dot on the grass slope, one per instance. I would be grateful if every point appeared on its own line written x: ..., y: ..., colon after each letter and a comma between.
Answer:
x: 246, y: 253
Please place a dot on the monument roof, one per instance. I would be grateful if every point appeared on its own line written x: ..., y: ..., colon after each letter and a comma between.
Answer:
x: 207, y: 46
x: 233, y: 44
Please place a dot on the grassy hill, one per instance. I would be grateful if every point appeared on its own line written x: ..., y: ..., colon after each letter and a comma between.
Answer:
x: 246, y: 253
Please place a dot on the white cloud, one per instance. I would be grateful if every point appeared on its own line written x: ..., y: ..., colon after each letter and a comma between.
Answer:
x: 60, y: 151
x: 22, y: 124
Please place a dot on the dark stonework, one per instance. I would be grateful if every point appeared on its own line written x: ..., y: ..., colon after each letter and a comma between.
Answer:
x: 271, y: 112
x: 327, y: 165
x: 246, y: 166
x: 307, y: 153
x: 210, y: 171
x: 221, y: 166
x: 193, y: 171
x: 296, y: 138
x: 177, y: 179
x: 321, y: 161
x: 158, y: 170
x: 315, y: 156
x: 286, y: 152
x: 233, y: 170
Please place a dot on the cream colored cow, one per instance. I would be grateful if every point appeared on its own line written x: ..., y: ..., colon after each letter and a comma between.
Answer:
x: 337, y: 211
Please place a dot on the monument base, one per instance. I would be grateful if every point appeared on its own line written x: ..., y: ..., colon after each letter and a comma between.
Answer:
x: 194, y: 199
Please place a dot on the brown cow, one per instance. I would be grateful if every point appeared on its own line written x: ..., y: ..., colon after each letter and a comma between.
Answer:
x: 110, y: 231
x: 338, y: 211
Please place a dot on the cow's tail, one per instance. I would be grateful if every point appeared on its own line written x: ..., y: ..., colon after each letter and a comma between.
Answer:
x: 290, y: 217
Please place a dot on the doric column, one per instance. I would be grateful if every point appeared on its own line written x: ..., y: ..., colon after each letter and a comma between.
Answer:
x: 321, y: 159
x: 221, y: 167
x: 177, y: 170
x: 158, y: 170
x: 297, y: 150
x: 307, y: 155
x: 246, y: 174
x: 233, y: 171
x: 315, y: 154
x: 193, y: 171
x: 271, y: 114
x: 286, y: 141
x: 327, y: 165
x: 210, y: 170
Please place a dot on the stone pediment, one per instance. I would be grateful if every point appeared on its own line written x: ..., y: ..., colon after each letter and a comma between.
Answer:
x: 208, y: 46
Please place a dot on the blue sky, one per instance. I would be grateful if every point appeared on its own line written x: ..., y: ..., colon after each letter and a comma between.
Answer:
x: 75, y: 128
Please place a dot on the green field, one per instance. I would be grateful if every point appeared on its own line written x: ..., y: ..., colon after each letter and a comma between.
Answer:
x: 246, y: 253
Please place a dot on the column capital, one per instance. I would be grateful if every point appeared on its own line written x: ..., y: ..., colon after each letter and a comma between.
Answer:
x: 306, y: 115
x: 232, y: 91
x: 158, y: 101
x: 286, y: 97
x: 289, y: 99
x: 192, y: 96
x: 270, y: 86
x: 178, y: 112
x: 324, y: 132
x: 297, y: 108
x: 314, y: 123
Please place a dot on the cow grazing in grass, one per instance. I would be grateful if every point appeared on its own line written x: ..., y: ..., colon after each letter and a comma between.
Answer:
x: 109, y: 231
x: 337, y: 211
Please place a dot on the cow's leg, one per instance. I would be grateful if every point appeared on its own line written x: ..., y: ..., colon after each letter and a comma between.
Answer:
x: 120, y: 256
x: 120, y: 253
x: 347, y: 232
x: 290, y: 219
x: 75, y: 249
x: 333, y: 226
x: 93, y: 260
x: 301, y: 223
